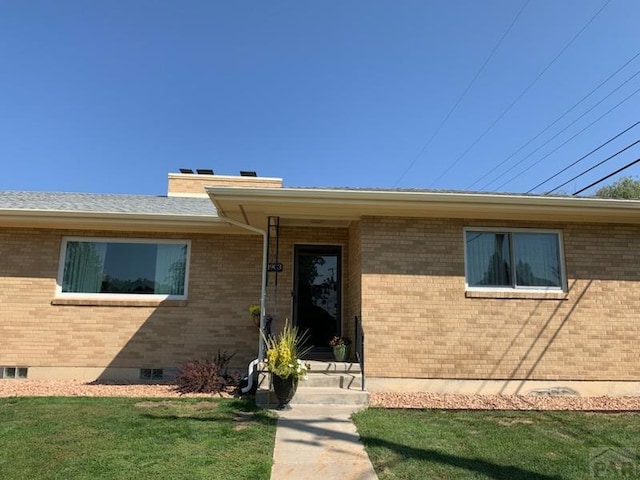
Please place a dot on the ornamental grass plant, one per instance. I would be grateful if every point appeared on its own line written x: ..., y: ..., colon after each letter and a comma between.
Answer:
x: 284, y: 352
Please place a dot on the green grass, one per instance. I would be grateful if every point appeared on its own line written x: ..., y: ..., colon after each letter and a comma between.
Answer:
x: 124, y: 438
x: 436, y: 444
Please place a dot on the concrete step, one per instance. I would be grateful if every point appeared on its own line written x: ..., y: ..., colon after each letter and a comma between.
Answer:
x: 316, y: 396
x: 338, y: 367
x: 327, y: 375
x: 329, y: 396
x: 347, y: 381
x: 325, y: 378
x: 328, y: 383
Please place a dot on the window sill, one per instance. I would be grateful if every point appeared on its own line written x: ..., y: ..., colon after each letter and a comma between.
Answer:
x: 516, y: 294
x: 100, y: 302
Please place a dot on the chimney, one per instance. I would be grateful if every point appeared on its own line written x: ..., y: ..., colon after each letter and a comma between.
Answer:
x: 190, y: 184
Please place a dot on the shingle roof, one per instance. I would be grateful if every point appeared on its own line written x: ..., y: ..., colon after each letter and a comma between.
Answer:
x: 106, y: 203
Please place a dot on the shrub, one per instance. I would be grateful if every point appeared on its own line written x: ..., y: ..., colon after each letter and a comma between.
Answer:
x: 209, y: 375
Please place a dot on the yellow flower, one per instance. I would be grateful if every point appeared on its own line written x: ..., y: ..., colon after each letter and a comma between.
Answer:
x: 272, y: 356
x: 284, y: 351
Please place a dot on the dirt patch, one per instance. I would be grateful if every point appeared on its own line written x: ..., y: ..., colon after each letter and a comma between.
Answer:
x: 243, y: 420
x: 189, y: 407
x: 507, y: 422
x: 149, y: 404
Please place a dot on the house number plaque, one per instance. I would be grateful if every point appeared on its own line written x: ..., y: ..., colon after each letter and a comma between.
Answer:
x: 274, y: 267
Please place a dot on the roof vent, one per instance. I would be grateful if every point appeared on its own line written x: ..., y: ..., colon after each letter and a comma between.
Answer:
x: 186, y: 170
x: 204, y: 171
x: 246, y: 173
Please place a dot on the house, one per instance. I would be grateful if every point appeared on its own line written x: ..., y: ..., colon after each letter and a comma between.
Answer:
x: 454, y: 291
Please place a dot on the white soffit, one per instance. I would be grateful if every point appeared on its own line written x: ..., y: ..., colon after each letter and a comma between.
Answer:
x: 327, y: 204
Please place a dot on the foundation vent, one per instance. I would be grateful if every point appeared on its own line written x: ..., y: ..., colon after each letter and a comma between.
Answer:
x: 151, y: 374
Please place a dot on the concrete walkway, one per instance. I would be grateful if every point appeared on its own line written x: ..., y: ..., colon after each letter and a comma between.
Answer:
x: 319, y: 442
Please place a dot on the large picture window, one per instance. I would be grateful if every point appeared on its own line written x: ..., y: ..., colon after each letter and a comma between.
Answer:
x: 124, y: 267
x: 514, y: 259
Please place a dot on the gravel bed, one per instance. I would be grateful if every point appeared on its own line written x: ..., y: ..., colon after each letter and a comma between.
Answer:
x: 502, y: 402
x: 75, y: 388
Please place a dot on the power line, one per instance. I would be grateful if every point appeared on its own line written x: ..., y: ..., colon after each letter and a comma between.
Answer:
x: 519, y: 162
x: 594, y: 167
x: 556, y: 136
x: 554, y: 122
x: 535, y: 80
x: 581, y: 159
x: 464, y: 93
x: 565, y: 142
x: 631, y: 164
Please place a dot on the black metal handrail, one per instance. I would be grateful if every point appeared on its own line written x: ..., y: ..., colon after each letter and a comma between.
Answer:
x: 360, y: 346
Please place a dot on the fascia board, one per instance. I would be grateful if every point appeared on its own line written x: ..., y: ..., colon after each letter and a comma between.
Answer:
x: 111, y: 221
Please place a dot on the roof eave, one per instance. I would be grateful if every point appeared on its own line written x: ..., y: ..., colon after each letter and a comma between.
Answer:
x: 121, y: 221
x: 350, y: 204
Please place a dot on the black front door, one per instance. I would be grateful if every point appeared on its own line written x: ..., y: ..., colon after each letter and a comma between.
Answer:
x: 316, y: 293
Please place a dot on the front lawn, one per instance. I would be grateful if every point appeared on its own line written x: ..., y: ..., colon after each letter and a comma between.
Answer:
x: 437, y: 444
x: 127, y: 438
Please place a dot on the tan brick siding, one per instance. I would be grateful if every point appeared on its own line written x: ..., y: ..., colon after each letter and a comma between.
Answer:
x: 420, y: 324
x: 353, y: 301
x: 410, y: 294
x: 224, y: 278
x: 195, y: 184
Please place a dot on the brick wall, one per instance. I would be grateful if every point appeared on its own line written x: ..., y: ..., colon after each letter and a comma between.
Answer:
x: 224, y: 278
x: 420, y: 324
x: 353, y: 301
x: 181, y: 184
x: 418, y: 321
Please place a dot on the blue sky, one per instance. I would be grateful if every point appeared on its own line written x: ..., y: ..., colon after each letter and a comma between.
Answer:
x: 111, y: 96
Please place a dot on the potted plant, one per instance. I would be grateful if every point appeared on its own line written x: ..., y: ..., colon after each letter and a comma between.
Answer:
x: 341, y: 348
x: 283, y: 362
x: 254, y: 311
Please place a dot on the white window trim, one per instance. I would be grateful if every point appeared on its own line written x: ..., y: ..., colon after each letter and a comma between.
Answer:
x: 120, y: 296
x: 563, y: 276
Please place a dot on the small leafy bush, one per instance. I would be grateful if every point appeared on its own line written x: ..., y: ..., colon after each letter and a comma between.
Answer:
x: 209, y: 375
x: 254, y: 310
x: 339, y: 341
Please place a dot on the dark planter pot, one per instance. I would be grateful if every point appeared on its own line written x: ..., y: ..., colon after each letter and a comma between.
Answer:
x: 285, y: 389
x: 342, y: 353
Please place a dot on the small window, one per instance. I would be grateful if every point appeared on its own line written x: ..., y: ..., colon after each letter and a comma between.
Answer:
x: 151, y: 374
x: 99, y: 266
x: 514, y: 259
